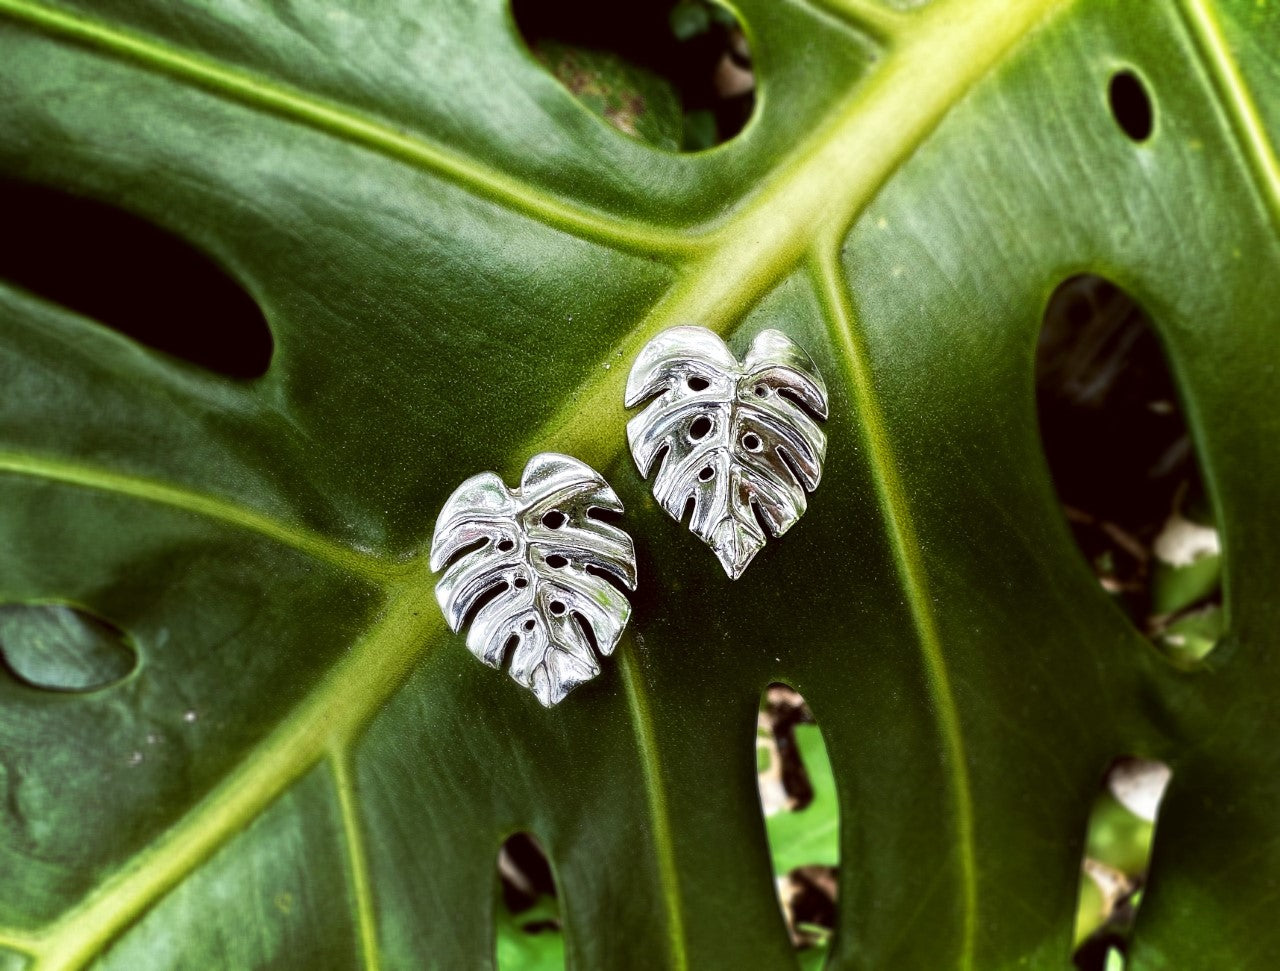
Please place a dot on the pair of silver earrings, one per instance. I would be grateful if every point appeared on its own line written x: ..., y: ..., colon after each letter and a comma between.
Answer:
x: 737, y: 440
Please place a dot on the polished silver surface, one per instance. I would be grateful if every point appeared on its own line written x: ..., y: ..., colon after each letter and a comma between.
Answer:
x: 542, y: 549
x: 737, y: 439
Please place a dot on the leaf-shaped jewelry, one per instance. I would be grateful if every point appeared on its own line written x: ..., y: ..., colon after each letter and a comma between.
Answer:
x: 732, y: 438
x: 531, y: 565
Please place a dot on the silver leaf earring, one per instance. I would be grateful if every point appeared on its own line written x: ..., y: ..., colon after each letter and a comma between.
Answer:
x: 740, y: 441
x: 530, y: 563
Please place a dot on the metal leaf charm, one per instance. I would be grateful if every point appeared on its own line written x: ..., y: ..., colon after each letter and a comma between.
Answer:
x: 530, y: 563
x: 734, y: 438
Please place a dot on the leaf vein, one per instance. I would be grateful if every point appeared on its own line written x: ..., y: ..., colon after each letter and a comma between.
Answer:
x: 361, y: 888
x: 359, y: 563
x: 1242, y: 112
x: 833, y: 292
x: 351, y: 126
x: 330, y: 718
x: 881, y: 21
x: 659, y: 812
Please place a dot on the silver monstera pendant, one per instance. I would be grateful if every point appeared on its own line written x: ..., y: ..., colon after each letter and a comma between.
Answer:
x: 531, y: 564
x: 736, y: 439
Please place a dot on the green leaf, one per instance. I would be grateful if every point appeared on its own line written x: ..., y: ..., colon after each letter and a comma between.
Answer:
x: 809, y: 836
x: 631, y: 99
x: 1175, y: 588
x: 1187, y: 565
x: 700, y: 130
x: 812, y: 958
x: 458, y: 264
x: 1191, y: 637
x: 1118, y: 838
x: 525, y: 943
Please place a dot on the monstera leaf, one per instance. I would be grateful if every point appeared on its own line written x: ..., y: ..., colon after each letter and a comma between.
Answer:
x: 303, y: 766
x: 521, y: 563
x: 732, y: 440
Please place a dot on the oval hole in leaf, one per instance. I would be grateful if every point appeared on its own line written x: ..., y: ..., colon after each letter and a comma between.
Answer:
x: 1117, y: 857
x: 62, y: 648
x: 530, y: 936
x: 675, y: 74
x: 126, y: 274
x: 801, y: 816
x: 1131, y: 105
x: 1124, y: 465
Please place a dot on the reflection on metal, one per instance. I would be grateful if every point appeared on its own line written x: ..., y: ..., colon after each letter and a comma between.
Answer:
x: 738, y: 440
x: 531, y: 565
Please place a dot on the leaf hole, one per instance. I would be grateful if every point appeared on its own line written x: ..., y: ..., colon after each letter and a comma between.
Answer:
x: 506, y: 545
x: 707, y: 474
x: 1131, y: 105
x: 660, y: 457
x: 508, y: 649
x: 554, y: 519
x: 795, y: 397
x: 675, y: 74
x: 529, y: 931
x: 520, y: 583
x: 482, y: 601
x: 557, y: 607
x: 801, y: 816
x: 603, y: 515
x: 690, y: 507
x: 751, y: 442
x: 613, y: 578
x: 698, y: 384
x: 763, y: 523
x: 1125, y: 468
x: 556, y: 561
x: 463, y: 551
x: 62, y: 648
x: 129, y: 275
x: 700, y: 428
x: 1117, y: 858
x: 530, y: 624
x: 589, y: 633
x: 762, y: 390
x: 789, y: 461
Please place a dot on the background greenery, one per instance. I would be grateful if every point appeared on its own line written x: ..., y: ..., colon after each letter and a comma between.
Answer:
x: 457, y: 261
